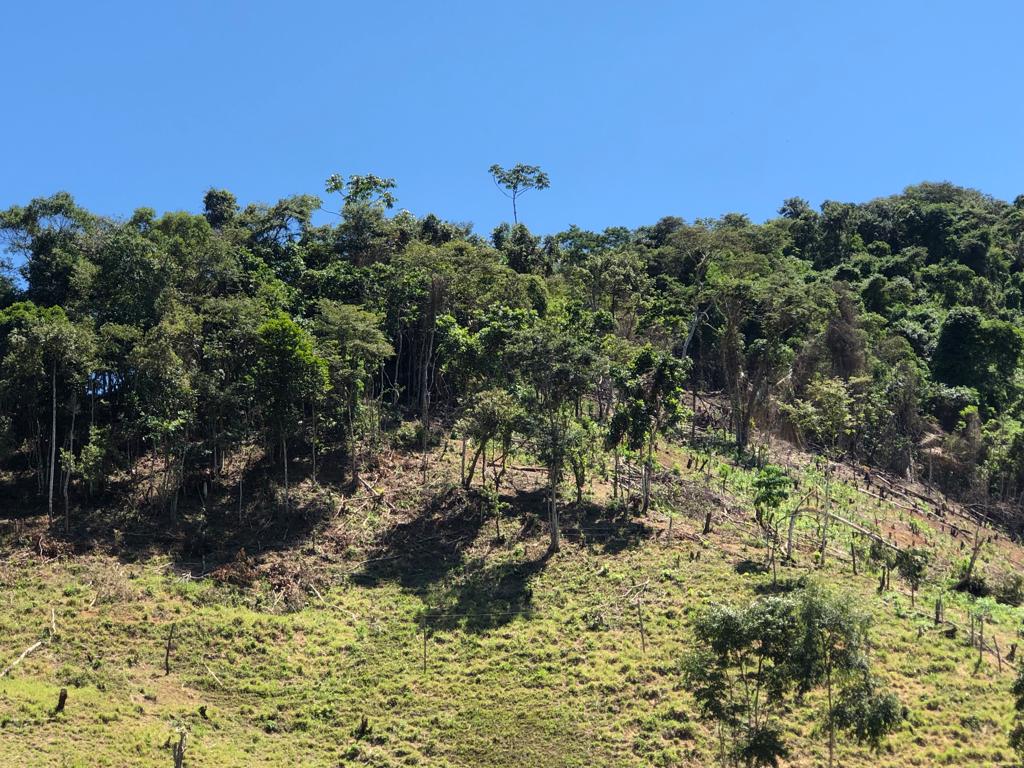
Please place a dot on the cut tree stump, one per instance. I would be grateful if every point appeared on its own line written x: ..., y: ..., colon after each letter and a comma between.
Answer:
x: 61, y: 701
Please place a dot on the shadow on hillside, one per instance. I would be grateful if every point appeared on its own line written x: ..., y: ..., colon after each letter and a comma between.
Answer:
x: 430, y: 554
x: 21, y: 493
x: 748, y: 567
x: 422, y: 551
x: 204, y: 529
x: 782, y: 586
x: 605, y: 529
x: 488, y: 597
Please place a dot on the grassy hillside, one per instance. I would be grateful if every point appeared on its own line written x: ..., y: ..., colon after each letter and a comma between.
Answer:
x: 314, y: 655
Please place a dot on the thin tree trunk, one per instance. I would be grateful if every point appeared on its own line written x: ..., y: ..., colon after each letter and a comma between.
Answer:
x: 789, y: 536
x: 831, y: 723
x: 53, y: 433
x: 287, y: 498
x: 424, y: 378
x: 67, y: 475
x: 647, y: 476
x: 468, y: 479
x: 352, y: 447
x: 693, y: 416
x: 825, y: 517
x: 615, y: 475
x: 314, y: 443
x: 556, y: 539
x: 975, y: 549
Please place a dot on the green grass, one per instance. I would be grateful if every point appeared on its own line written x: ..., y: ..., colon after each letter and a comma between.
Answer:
x: 530, y: 661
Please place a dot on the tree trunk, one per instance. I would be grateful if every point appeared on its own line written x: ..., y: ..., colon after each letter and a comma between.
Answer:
x: 284, y: 451
x: 67, y: 475
x: 693, y: 417
x: 462, y: 464
x: 556, y: 539
x: 975, y: 549
x: 615, y: 475
x: 53, y: 433
x: 789, y: 536
x: 467, y: 482
x: 424, y: 374
x: 825, y: 516
x: 353, y: 457
x: 647, y: 476
x: 314, y: 444
x: 831, y: 723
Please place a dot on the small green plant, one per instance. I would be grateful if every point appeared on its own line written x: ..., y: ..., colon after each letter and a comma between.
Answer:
x: 912, y: 564
x: 771, y: 490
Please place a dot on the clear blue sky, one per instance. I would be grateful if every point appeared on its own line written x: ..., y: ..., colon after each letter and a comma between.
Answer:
x: 636, y: 109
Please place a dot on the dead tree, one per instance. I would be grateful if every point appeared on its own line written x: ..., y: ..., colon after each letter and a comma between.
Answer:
x: 179, y: 751
x: 167, y: 650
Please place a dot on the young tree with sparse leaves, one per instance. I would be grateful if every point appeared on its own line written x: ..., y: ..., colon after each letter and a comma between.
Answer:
x: 516, y: 181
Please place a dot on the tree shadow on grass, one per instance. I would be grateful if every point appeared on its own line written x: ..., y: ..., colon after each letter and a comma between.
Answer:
x: 203, y: 530
x: 782, y: 586
x: 748, y: 567
x: 488, y: 597
x: 605, y: 529
x: 431, y: 555
x: 422, y: 551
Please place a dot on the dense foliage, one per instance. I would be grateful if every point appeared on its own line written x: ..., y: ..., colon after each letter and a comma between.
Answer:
x: 752, y: 661
x: 889, y: 332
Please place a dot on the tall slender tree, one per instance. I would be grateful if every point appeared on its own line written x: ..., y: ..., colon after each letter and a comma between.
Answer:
x: 516, y: 181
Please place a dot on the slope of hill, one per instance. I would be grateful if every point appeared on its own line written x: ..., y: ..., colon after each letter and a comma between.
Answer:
x: 413, y: 626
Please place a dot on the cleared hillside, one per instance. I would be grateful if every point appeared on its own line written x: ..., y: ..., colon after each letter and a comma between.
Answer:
x: 401, y: 629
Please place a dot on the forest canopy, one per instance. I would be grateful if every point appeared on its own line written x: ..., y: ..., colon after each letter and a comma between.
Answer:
x: 888, y: 332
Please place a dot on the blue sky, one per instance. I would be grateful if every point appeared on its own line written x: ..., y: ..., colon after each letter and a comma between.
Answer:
x: 636, y: 109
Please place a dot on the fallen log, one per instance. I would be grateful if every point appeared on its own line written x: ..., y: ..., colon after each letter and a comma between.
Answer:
x: 21, y: 658
x: 377, y: 496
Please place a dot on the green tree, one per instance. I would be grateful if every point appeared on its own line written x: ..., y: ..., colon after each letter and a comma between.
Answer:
x: 163, y: 399
x: 492, y: 415
x: 52, y: 234
x: 289, y: 374
x: 516, y: 181
x: 740, y: 675
x: 583, y: 443
x: 353, y: 347
x: 48, y: 359
x: 556, y: 365
x: 219, y: 207
x: 749, y: 660
x: 867, y: 712
x: 366, y: 189
x: 832, y: 653
x: 650, y: 402
x: 522, y: 250
x: 980, y: 353
x: 771, y: 490
x: 912, y: 565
